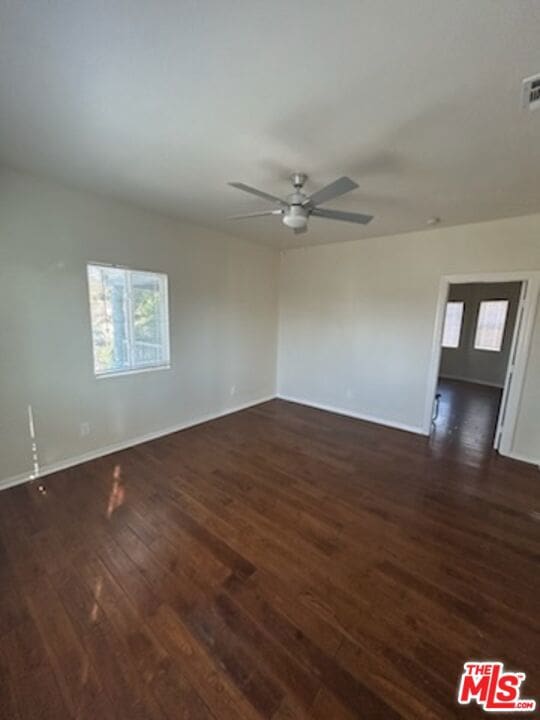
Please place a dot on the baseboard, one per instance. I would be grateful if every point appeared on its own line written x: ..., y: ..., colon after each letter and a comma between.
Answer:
x: 15, y: 480
x: 523, y: 458
x: 358, y: 416
x: 124, y: 445
x: 472, y: 381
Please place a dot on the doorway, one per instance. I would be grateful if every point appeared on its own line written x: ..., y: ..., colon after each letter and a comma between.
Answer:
x: 478, y: 330
x: 481, y: 340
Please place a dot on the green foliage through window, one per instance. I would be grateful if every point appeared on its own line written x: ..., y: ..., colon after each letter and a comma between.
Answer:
x: 129, y: 319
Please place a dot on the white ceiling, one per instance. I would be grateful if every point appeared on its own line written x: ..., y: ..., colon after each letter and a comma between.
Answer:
x: 163, y: 102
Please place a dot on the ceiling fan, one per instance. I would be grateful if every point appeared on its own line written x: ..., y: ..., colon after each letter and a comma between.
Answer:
x: 298, y: 206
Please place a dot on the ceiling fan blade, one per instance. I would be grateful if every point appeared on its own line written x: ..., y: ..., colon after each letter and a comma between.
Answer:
x: 340, y: 215
x: 258, y: 193
x: 339, y: 187
x: 254, y: 214
x: 299, y: 231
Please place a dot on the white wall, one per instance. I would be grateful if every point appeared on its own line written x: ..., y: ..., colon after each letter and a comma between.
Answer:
x: 223, y: 317
x: 357, y: 319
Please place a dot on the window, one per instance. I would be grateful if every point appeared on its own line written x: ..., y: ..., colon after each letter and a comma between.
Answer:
x: 130, y: 326
x: 490, y: 325
x: 452, y: 324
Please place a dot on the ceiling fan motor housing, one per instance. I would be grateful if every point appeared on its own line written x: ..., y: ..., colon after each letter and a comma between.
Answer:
x: 298, y: 179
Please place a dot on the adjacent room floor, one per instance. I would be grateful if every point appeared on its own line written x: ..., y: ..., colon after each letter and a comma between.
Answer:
x: 281, y: 562
x: 467, y: 419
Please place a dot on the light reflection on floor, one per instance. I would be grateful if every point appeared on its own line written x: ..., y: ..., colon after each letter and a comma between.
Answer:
x: 97, y: 594
x: 118, y: 493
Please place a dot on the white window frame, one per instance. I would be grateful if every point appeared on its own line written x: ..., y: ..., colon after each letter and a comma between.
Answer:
x: 133, y: 370
x: 453, y: 302
x: 483, y: 348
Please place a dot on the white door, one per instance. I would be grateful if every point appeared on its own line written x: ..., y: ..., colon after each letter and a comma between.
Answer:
x: 511, y: 363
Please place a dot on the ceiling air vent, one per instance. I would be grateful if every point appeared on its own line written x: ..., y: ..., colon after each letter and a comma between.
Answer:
x: 531, y: 92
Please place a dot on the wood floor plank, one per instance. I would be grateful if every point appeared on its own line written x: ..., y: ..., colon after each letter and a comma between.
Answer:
x: 74, y: 674
x: 200, y: 615
x: 137, y: 645
x: 38, y: 697
x: 117, y: 675
x: 224, y: 698
x: 176, y: 696
x: 22, y: 650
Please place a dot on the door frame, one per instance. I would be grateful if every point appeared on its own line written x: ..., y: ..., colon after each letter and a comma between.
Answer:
x: 521, y: 344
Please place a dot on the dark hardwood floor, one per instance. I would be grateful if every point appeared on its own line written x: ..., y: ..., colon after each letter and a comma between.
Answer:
x: 281, y: 562
x: 467, y: 419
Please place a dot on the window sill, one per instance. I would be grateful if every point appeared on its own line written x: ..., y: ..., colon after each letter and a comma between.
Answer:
x: 136, y: 371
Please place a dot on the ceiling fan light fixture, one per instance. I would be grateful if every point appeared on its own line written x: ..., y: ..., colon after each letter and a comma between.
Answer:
x: 295, y: 217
